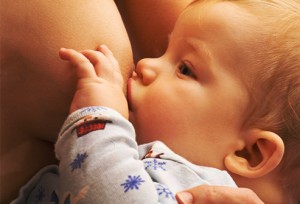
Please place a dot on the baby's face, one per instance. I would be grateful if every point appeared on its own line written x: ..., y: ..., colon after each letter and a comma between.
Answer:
x: 191, y: 98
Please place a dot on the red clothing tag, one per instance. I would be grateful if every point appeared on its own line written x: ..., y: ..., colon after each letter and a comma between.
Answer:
x: 90, y: 126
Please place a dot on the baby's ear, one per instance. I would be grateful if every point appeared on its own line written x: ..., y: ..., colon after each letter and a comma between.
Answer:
x: 262, y: 152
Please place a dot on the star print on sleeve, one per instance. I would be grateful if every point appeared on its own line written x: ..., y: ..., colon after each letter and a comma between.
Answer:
x: 164, y: 191
x: 77, y: 162
x: 40, y: 194
x: 132, y: 182
x: 155, y: 165
x: 54, y: 198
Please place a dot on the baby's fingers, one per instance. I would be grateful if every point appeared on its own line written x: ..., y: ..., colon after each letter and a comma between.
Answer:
x: 106, y: 66
x: 108, y: 53
x: 84, y: 68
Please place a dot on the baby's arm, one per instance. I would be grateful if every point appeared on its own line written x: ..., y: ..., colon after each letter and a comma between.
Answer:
x: 99, y: 79
x: 99, y: 161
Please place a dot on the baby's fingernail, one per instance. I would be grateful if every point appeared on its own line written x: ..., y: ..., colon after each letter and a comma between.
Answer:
x: 184, y: 198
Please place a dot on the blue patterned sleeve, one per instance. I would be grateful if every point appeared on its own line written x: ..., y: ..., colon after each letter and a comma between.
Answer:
x: 99, y: 161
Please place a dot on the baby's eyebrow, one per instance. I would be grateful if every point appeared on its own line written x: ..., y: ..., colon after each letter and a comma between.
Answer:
x: 200, y: 48
x: 203, y: 54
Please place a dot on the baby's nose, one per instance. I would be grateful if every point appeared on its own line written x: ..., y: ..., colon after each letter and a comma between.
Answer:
x: 145, y: 69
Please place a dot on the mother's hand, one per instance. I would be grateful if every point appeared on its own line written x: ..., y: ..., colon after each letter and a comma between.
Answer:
x: 217, y: 194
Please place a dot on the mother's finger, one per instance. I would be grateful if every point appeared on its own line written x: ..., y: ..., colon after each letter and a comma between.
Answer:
x: 217, y: 194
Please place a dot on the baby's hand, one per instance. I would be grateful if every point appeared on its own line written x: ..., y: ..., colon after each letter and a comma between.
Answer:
x: 99, y: 79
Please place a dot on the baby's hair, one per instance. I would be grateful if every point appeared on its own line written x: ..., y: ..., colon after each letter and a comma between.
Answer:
x: 275, y: 87
x: 274, y: 83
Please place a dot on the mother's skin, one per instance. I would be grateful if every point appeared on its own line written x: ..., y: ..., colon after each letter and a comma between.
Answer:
x: 36, y: 86
x: 149, y: 23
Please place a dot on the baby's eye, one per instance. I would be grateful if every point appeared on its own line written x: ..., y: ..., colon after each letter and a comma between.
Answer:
x: 186, y: 70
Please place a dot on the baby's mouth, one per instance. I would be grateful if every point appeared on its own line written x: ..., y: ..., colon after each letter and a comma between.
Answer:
x: 128, y: 94
x: 133, y: 77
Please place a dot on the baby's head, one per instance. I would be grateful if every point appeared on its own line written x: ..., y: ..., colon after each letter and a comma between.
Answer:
x: 226, y: 93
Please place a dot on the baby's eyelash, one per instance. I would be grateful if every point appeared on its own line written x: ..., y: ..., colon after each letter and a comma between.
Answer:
x: 185, y: 69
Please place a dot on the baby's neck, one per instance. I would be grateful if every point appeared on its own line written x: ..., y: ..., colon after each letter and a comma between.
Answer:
x: 265, y: 187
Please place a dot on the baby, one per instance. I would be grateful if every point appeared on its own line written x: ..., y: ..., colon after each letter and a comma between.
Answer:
x: 220, y: 107
x: 225, y: 95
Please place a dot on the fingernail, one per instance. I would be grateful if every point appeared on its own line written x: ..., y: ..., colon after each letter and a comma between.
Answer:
x: 184, y: 198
